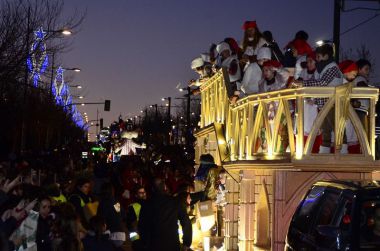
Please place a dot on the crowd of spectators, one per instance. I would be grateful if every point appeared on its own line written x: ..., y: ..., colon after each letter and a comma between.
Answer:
x: 97, y: 208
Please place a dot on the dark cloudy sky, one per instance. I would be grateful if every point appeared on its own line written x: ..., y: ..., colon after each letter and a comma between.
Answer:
x: 135, y: 52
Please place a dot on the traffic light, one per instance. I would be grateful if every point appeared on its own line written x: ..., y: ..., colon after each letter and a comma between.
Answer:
x: 101, y: 123
x: 107, y: 105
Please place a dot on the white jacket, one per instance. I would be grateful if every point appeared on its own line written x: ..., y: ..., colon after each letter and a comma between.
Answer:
x: 251, y: 79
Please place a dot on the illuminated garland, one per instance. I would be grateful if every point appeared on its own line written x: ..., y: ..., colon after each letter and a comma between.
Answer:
x: 77, y: 117
x: 37, y: 60
x: 58, y: 85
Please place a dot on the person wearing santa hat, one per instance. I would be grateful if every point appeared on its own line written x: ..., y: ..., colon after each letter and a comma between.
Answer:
x: 234, y: 46
x: 253, y: 73
x: 349, y: 70
x: 310, y: 107
x: 275, y: 78
x: 253, y: 40
x: 300, y: 48
x: 289, y: 59
x: 231, y: 64
x: 308, y: 72
x: 326, y: 74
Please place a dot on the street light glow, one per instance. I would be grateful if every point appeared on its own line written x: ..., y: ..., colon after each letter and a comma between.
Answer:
x: 76, y: 86
x: 76, y: 69
x: 66, y: 32
x: 320, y: 42
x: 82, y: 104
x: 163, y: 99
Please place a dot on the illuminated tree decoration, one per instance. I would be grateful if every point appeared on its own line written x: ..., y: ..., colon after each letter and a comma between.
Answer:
x: 58, y: 85
x: 69, y: 102
x: 77, y: 117
x: 37, y: 60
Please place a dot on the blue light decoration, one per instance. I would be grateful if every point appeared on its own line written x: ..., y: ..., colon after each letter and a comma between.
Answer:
x: 77, y: 118
x: 63, y: 98
x: 65, y: 94
x: 57, y: 86
x: 37, y: 60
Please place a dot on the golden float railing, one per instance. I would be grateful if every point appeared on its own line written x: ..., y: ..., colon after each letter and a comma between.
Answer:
x: 241, y: 127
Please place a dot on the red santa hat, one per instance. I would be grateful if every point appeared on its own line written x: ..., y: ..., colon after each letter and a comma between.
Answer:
x: 347, y: 66
x: 234, y: 46
x: 312, y: 55
x: 249, y: 24
x: 301, y: 46
x: 272, y: 63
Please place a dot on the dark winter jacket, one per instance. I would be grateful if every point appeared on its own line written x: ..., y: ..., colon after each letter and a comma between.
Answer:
x: 79, y: 199
x: 93, y: 243
x: 43, y: 235
x: 158, y: 224
x: 113, y: 214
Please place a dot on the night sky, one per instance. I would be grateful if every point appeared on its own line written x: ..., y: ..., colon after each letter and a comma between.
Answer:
x: 136, y: 52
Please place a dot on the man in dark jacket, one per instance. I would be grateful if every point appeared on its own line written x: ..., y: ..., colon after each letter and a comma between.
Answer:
x: 158, y: 224
x: 113, y: 214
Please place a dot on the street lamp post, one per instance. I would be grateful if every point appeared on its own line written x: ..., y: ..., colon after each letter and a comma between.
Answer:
x: 336, y: 31
x: 169, y: 99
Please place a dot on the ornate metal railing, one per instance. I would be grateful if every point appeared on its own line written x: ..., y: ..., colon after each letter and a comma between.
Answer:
x: 271, y: 125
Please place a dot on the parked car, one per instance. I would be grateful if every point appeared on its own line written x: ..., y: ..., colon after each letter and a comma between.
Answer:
x: 337, y: 215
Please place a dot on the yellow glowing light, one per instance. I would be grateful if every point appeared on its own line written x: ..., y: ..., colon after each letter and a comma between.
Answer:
x: 66, y: 32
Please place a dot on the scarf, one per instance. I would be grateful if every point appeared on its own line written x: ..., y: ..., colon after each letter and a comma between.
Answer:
x: 322, y: 64
x: 271, y: 81
x: 311, y: 72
